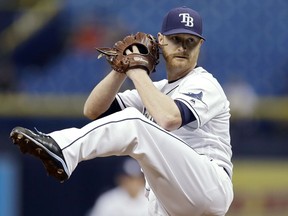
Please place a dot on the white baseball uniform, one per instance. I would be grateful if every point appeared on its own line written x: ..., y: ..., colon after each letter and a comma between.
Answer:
x: 189, y: 170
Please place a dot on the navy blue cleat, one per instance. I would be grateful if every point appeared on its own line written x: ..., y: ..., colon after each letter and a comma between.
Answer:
x: 43, y: 147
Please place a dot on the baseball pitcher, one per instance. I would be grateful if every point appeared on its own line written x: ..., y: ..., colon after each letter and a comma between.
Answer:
x: 177, y: 128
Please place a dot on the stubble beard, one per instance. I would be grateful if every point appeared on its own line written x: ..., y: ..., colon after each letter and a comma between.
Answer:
x: 175, y: 65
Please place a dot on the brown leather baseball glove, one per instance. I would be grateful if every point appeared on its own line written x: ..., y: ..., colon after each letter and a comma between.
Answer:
x: 147, y: 58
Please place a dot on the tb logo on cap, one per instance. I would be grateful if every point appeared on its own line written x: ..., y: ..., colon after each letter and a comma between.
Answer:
x: 187, y: 19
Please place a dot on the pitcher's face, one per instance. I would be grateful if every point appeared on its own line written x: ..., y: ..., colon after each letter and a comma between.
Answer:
x: 180, y: 51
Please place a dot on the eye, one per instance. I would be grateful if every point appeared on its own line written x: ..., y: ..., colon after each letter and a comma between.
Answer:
x: 175, y: 39
x: 191, y: 41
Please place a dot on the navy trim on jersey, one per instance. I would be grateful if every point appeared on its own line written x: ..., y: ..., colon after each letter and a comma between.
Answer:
x: 172, y: 81
x: 121, y: 101
x: 186, y: 114
x: 179, y: 99
x: 114, y: 107
x: 172, y: 90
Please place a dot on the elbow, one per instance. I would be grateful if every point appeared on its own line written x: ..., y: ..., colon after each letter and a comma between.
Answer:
x: 170, y: 123
x: 89, y: 114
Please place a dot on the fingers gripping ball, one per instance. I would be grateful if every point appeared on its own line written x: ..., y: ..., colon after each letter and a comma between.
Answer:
x: 146, y: 56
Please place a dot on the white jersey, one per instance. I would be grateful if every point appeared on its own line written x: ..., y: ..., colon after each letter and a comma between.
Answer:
x: 186, y: 164
x: 203, y: 95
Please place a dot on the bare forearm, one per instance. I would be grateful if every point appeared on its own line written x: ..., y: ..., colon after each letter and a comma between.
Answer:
x: 160, y: 106
x: 103, y: 95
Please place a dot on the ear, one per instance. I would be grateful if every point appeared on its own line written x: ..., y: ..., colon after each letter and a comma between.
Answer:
x: 160, y: 38
x: 201, y: 41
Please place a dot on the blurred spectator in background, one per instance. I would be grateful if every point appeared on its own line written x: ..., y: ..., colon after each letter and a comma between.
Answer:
x: 127, y: 198
x: 242, y: 97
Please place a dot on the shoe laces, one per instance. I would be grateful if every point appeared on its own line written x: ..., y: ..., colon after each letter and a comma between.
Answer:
x: 40, y: 133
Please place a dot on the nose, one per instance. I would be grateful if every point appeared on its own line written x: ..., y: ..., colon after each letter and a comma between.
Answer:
x: 183, y: 46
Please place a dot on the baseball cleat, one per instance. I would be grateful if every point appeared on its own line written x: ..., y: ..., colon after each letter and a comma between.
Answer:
x: 43, y: 147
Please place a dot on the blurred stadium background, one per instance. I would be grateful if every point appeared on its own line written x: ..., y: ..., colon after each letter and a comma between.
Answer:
x: 48, y: 65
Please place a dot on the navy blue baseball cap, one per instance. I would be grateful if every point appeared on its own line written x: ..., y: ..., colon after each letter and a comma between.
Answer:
x: 182, y: 20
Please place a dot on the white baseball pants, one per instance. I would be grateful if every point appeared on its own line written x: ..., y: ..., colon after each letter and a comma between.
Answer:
x: 183, y: 182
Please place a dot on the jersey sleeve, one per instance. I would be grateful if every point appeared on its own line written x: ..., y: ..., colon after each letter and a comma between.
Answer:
x: 203, y: 96
x: 131, y: 98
